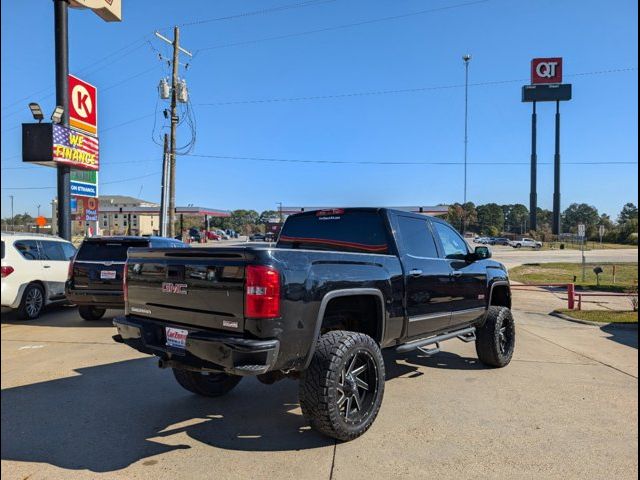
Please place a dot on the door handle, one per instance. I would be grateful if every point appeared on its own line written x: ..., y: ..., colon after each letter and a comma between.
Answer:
x: 47, y: 266
x: 415, y: 272
x: 456, y: 273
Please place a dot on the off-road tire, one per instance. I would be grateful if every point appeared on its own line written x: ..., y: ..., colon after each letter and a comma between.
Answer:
x: 207, y: 385
x: 496, y: 339
x: 91, y: 314
x: 321, y: 390
x: 30, y: 307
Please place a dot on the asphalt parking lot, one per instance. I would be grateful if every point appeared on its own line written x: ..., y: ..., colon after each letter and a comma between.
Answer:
x: 77, y: 405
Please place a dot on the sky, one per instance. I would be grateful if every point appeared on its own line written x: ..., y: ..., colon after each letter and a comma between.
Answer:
x: 370, y: 100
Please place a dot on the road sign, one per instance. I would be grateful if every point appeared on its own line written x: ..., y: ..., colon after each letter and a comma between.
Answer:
x: 83, y: 105
x: 75, y: 149
x: 601, y: 230
x: 546, y: 70
x: 582, y: 230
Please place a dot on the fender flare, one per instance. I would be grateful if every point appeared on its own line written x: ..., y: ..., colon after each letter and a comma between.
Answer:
x: 347, y: 292
x: 497, y: 283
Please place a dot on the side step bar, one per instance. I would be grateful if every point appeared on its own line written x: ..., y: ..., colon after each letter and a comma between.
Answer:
x: 466, y: 334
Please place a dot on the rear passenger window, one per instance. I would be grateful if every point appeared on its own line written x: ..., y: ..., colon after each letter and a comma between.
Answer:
x: 416, y: 237
x: 28, y: 249
x: 52, y: 251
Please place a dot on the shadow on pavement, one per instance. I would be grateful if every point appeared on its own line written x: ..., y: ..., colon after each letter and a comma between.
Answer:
x: 110, y: 416
x: 624, y: 335
x: 61, y: 316
x: 414, y: 360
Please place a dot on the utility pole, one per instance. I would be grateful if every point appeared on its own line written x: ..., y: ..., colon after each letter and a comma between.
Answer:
x: 280, y: 212
x: 37, y: 224
x: 164, y: 231
x: 60, y: 14
x: 466, y: 58
x: 174, y: 124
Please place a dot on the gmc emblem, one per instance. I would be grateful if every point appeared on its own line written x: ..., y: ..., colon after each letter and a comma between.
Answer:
x: 179, y: 288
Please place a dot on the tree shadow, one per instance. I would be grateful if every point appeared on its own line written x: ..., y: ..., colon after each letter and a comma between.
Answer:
x: 110, y: 416
x: 60, y: 315
x: 624, y: 335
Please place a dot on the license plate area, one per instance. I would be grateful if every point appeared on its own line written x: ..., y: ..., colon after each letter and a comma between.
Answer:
x: 107, y: 275
x: 176, y: 337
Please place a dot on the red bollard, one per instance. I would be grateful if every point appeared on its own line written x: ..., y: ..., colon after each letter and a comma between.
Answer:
x: 571, y: 294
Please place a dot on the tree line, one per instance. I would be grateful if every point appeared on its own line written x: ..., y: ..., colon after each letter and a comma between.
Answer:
x: 493, y: 220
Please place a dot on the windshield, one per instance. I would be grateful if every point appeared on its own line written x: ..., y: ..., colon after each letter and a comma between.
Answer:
x: 108, y: 250
x: 338, y: 230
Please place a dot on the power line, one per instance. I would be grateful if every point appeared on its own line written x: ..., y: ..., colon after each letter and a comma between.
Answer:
x: 290, y: 6
x: 138, y: 44
x: 399, y: 91
x: 343, y: 26
x: 371, y: 162
x: 101, y: 183
x: 135, y: 45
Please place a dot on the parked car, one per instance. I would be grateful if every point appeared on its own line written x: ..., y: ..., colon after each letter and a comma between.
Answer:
x: 231, y: 233
x: 222, y: 234
x: 482, y: 240
x: 95, y: 275
x: 34, y: 269
x: 269, y: 237
x: 337, y: 287
x: 526, y: 242
x: 257, y: 237
x: 194, y: 235
x: 212, y: 235
x: 499, y: 241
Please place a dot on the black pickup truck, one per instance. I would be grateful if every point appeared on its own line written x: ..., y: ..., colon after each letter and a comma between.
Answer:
x: 338, y: 286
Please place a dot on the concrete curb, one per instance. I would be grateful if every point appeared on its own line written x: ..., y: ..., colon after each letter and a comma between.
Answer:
x: 621, y: 326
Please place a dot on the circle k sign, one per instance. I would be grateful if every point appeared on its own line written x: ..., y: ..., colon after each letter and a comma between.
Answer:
x: 83, y: 105
x: 546, y: 70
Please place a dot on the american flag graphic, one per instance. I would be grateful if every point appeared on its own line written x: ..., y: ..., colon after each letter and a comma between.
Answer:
x: 75, y: 149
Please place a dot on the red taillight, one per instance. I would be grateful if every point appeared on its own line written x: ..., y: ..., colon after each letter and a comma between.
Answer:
x: 125, y: 287
x: 262, y: 294
x: 6, y: 271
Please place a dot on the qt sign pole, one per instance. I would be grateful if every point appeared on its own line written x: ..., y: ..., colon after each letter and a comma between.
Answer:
x: 546, y: 86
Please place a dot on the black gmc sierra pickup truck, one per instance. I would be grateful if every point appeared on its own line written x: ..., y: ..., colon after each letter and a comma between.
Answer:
x: 338, y: 286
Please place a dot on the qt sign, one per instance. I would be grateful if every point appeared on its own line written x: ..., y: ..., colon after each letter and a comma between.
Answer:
x: 83, y: 105
x: 546, y: 70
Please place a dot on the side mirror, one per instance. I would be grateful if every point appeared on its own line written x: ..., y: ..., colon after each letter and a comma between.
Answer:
x: 482, y: 252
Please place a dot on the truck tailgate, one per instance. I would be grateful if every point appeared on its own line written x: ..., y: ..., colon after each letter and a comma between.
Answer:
x: 201, y: 287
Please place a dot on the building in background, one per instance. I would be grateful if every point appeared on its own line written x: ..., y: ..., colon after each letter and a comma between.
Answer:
x: 124, y: 215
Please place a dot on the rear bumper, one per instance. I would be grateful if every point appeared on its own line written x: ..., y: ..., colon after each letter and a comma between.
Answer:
x: 203, y: 350
x: 96, y: 298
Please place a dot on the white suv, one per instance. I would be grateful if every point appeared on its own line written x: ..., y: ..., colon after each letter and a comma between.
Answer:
x: 34, y: 270
x: 526, y: 242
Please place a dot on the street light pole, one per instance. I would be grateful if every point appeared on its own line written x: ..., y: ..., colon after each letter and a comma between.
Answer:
x: 466, y: 58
